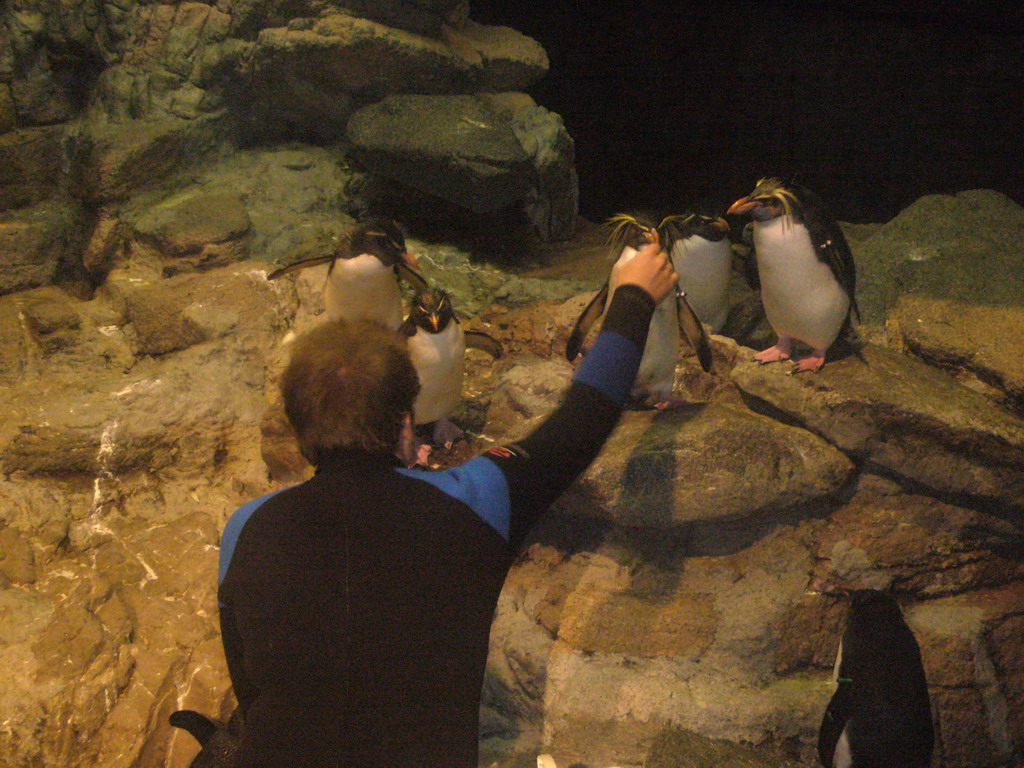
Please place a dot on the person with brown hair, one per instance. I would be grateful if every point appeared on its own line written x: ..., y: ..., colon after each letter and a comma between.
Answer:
x: 355, y: 607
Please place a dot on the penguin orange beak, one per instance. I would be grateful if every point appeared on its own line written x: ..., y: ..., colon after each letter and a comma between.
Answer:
x: 722, y: 224
x: 742, y: 205
x: 435, y: 321
x: 410, y: 258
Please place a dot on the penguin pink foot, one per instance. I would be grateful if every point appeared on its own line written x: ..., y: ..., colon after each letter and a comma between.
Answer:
x: 781, y: 351
x: 668, y: 403
x: 812, y: 363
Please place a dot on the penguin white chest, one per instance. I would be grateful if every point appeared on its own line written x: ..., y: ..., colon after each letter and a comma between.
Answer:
x: 362, y: 288
x: 703, y: 267
x: 439, y: 359
x: 657, y: 372
x: 801, y: 295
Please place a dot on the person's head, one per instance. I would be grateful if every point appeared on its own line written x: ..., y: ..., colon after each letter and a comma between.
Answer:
x: 349, y: 384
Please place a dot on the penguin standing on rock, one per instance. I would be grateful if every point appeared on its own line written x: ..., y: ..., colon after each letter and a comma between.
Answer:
x: 437, y: 346
x: 656, y: 376
x: 702, y: 255
x: 880, y: 715
x: 805, y: 267
x: 362, y: 282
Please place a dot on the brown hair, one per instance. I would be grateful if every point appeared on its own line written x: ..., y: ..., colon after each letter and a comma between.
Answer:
x: 348, y: 384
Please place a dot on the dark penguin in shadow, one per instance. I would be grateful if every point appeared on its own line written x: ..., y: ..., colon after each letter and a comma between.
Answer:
x: 220, y: 742
x: 880, y: 715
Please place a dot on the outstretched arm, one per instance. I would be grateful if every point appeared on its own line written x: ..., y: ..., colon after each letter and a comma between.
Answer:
x: 511, y: 486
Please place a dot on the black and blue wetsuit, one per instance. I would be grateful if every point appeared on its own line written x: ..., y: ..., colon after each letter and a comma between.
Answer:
x: 355, y: 607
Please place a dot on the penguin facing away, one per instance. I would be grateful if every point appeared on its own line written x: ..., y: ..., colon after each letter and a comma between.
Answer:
x: 656, y: 375
x: 880, y: 715
x: 362, y: 282
x: 437, y: 346
x: 805, y: 267
x: 702, y: 256
x: 220, y: 742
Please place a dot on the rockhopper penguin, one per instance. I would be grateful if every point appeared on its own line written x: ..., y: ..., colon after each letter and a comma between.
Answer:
x: 437, y: 346
x: 362, y: 282
x: 880, y: 715
x: 702, y: 255
x: 805, y: 268
x: 656, y: 377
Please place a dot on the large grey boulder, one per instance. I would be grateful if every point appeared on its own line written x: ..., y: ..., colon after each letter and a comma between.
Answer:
x: 905, y: 416
x: 484, y: 154
x: 976, y: 342
x: 705, y: 462
x: 453, y: 147
x: 313, y: 73
x: 965, y: 247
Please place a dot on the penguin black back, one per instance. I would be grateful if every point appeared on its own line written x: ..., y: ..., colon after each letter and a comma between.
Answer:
x: 379, y: 236
x: 221, y: 742
x: 880, y: 714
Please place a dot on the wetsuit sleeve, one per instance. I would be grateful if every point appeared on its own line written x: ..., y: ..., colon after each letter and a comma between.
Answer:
x: 509, y: 487
x: 540, y: 467
x: 245, y: 690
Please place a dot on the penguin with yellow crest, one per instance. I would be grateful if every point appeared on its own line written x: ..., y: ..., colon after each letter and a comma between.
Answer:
x: 656, y: 376
x: 805, y: 268
x: 362, y: 282
x: 437, y: 347
x: 701, y: 253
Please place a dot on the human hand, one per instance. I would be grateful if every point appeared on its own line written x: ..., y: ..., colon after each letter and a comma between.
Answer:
x: 651, y: 269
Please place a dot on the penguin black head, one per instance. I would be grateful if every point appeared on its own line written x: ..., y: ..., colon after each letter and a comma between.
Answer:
x: 772, y: 198
x: 673, y: 228
x: 629, y: 230
x: 380, y: 237
x: 431, y: 310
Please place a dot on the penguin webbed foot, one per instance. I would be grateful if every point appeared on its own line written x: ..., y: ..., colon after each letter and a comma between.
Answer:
x: 668, y: 403
x: 773, y: 354
x: 812, y: 363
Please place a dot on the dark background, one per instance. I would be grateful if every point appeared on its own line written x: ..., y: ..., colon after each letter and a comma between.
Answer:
x: 873, y: 104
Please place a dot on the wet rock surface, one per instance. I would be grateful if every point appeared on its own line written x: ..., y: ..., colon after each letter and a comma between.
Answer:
x: 683, y: 601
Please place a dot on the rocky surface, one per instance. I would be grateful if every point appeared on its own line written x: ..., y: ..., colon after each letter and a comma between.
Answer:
x: 683, y: 598
x: 99, y: 104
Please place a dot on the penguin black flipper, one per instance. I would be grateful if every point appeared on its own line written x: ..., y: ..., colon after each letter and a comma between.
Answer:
x: 408, y: 327
x: 484, y: 342
x: 200, y: 726
x: 829, y: 241
x: 585, y: 322
x: 693, y: 329
x: 304, y: 264
x: 837, y: 715
x: 409, y: 275
x: 221, y: 743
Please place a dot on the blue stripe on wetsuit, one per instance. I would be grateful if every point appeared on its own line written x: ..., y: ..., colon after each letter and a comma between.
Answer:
x: 479, y: 484
x: 610, y: 366
x: 237, y: 521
